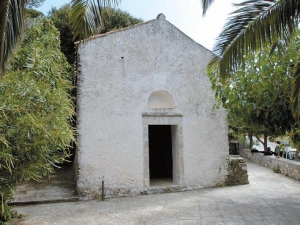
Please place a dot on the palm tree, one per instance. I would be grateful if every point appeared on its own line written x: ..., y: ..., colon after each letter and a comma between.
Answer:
x: 12, y: 13
x: 205, y: 5
x: 85, y: 16
x: 85, y: 19
x: 254, y: 24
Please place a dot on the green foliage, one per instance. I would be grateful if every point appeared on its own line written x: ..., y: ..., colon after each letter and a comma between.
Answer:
x: 12, y: 15
x: 86, y: 16
x: 32, y: 13
x: 276, y: 169
x: 257, y: 97
x: 272, y: 138
x: 115, y: 19
x: 252, y: 26
x: 35, y: 111
x: 232, y: 134
x: 295, y: 138
x: 35, y: 3
x: 60, y: 18
x: 6, y: 195
x: 294, y: 135
x: 112, y: 19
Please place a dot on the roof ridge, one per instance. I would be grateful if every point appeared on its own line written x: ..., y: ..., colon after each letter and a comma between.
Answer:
x: 159, y: 17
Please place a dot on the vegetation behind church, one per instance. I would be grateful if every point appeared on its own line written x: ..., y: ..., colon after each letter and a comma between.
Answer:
x: 113, y: 19
x: 258, y: 96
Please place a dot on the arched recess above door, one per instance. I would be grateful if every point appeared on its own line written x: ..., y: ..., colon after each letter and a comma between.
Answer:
x: 160, y: 99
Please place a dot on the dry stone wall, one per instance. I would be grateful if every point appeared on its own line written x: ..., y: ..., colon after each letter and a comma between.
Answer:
x: 285, y: 166
x: 237, y: 171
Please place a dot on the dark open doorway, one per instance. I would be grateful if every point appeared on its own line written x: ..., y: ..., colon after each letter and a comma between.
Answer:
x: 160, y: 153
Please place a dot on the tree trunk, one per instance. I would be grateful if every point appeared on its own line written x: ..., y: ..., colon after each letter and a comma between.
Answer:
x: 265, y: 142
x: 251, y: 140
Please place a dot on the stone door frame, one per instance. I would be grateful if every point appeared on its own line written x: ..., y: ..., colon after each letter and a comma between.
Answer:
x: 175, y: 120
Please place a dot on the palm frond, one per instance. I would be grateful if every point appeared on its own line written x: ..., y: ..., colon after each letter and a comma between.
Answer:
x: 296, y: 91
x: 85, y: 16
x: 12, y: 16
x: 254, y: 24
x: 280, y: 44
x: 205, y: 5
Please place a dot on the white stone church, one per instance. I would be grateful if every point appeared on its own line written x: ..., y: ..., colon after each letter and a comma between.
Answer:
x: 146, y: 114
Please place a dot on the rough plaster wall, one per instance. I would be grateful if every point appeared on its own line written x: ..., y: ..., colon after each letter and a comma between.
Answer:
x: 118, y: 72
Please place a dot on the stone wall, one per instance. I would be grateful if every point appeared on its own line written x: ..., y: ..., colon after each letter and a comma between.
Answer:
x: 237, y: 171
x: 287, y: 167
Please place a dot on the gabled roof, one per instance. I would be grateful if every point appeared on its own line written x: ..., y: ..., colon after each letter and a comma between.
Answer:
x: 160, y: 16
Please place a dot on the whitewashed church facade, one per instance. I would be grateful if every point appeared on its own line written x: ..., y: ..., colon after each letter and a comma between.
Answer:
x: 146, y: 116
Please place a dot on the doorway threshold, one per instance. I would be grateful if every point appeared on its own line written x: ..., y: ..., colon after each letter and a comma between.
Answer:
x: 167, y: 182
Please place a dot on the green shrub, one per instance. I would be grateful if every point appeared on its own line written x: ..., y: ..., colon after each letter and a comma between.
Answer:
x: 35, y: 111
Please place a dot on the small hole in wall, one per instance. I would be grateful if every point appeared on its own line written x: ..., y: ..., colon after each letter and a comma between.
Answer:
x: 122, y: 57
